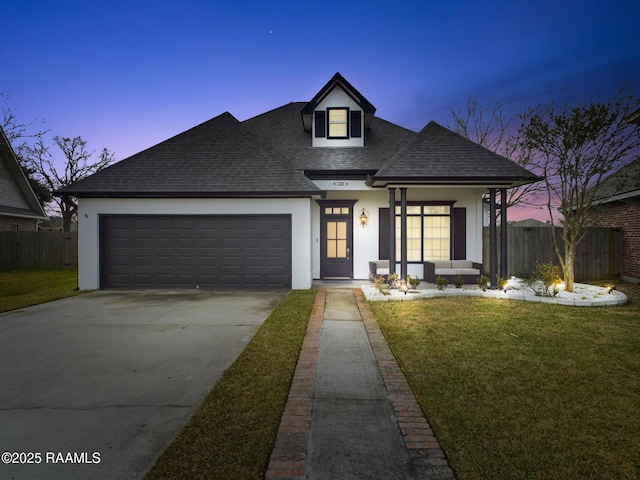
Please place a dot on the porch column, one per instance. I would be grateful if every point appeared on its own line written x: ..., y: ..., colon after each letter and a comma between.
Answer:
x: 403, y: 233
x: 392, y: 231
x: 504, y: 270
x: 493, y: 247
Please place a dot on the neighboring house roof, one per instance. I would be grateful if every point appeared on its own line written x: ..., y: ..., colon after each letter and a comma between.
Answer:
x: 271, y: 154
x: 17, y: 198
x: 219, y: 157
x: 439, y: 156
x: 625, y: 183
x: 529, y: 223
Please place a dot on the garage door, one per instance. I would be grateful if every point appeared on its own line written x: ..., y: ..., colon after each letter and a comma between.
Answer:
x: 195, y: 251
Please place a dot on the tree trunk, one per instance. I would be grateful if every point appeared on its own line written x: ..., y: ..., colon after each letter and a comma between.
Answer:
x: 568, y: 266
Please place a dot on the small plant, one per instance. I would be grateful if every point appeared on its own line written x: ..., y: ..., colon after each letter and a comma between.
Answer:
x: 483, y: 281
x: 382, y: 285
x: 458, y: 281
x: 413, y: 281
x: 544, y: 279
x: 441, y: 282
x: 500, y: 282
x: 393, y: 280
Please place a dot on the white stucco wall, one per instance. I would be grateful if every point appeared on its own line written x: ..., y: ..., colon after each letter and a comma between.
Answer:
x: 91, y: 208
x: 338, y: 99
x: 365, y: 239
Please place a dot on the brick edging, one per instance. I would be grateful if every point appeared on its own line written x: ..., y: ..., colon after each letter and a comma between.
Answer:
x: 425, y: 451
x: 290, y: 449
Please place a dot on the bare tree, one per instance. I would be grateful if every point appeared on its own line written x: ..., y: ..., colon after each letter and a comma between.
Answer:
x: 575, y: 147
x: 488, y: 125
x: 78, y: 164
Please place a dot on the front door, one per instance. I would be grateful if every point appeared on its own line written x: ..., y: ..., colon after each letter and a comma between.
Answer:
x: 336, y: 232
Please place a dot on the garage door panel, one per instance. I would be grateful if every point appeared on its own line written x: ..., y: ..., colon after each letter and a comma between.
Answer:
x: 211, y: 251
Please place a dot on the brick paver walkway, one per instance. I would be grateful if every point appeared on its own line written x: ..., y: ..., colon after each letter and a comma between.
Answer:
x: 290, y: 451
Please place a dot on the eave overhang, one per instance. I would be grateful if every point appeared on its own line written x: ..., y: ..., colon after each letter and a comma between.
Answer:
x: 486, y: 182
x: 235, y: 195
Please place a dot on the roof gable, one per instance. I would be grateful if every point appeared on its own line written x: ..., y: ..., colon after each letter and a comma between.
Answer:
x: 216, y: 158
x: 17, y: 198
x: 439, y: 156
x: 337, y: 81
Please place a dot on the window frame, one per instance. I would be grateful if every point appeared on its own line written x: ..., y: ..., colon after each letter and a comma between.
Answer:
x: 345, y: 123
x: 421, y: 216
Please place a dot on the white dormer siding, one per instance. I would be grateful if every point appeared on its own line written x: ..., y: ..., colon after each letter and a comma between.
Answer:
x: 338, y: 121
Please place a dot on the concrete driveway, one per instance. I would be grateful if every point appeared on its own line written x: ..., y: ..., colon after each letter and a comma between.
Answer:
x: 96, y: 386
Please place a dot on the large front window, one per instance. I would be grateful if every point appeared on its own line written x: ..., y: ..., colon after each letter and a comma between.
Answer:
x: 428, y: 232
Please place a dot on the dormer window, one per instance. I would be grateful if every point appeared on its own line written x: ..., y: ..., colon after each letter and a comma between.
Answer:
x: 337, y: 122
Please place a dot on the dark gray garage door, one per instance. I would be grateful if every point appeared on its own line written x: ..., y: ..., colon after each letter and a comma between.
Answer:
x: 187, y: 251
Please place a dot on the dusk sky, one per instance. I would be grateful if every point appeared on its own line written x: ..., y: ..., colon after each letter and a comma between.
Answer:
x: 127, y: 75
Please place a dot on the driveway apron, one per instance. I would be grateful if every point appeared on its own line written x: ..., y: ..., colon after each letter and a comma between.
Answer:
x: 96, y: 386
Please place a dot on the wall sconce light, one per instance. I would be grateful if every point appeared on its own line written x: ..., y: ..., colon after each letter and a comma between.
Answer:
x: 363, y: 217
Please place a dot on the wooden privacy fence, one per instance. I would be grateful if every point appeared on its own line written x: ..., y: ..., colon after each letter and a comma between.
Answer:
x: 38, y: 250
x: 599, y: 254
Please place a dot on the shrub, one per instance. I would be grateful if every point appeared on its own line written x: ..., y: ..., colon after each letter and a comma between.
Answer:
x: 458, y: 281
x: 483, y: 281
x: 543, y: 279
x: 413, y: 281
x: 441, y: 282
x: 382, y: 285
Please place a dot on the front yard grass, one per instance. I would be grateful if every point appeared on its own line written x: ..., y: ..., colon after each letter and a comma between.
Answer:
x: 232, y: 433
x: 518, y: 390
x: 22, y: 288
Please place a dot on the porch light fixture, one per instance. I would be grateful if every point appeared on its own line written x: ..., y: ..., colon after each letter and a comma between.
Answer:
x: 363, y: 217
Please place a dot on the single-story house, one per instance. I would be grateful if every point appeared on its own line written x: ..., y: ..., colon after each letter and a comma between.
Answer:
x: 309, y: 190
x: 19, y: 205
x: 617, y: 205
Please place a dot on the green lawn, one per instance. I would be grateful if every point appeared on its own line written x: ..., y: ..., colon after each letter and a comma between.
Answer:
x: 518, y: 390
x: 21, y: 288
x: 233, y: 432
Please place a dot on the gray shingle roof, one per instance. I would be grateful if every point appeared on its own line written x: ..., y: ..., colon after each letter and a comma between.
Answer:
x: 283, y: 129
x: 438, y: 155
x: 623, y: 183
x: 217, y: 157
x: 269, y: 155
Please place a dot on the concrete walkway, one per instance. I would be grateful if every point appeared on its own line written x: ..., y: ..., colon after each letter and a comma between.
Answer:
x: 350, y: 412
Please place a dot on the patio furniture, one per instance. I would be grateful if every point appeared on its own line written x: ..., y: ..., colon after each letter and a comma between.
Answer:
x: 450, y: 269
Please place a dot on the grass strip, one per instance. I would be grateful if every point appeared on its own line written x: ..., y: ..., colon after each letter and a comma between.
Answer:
x: 22, y: 288
x: 518, y: 390
x: 232, y: 433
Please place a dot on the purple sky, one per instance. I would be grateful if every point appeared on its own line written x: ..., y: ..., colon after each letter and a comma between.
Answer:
x: 127, y: 75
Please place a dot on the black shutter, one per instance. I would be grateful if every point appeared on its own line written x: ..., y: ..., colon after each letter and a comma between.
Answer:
x: 320, y: 124
x: 459, y: 234
x: 383, y: 234
x: 356, y: 124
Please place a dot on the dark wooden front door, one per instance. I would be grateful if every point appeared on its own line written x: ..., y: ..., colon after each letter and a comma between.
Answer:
x: 336, y: 236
